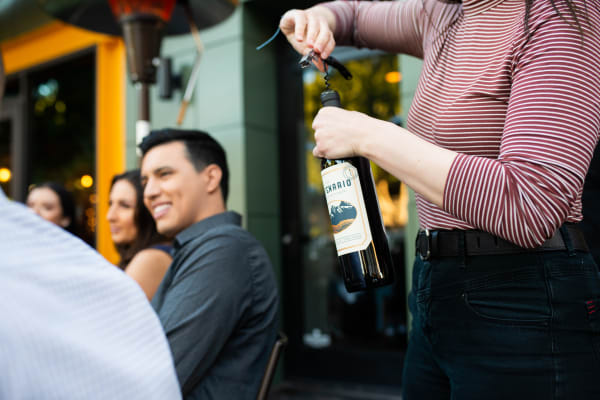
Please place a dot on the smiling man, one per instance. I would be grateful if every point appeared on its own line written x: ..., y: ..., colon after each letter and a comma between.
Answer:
x: 218, y: 301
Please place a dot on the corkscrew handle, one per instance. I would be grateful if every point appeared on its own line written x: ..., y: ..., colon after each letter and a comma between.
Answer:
x: 339, y: 66
x: 333, y: 62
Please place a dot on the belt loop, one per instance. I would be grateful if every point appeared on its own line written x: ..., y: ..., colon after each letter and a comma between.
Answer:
x: 567, y: 239
x: 423, y: 245
x: 433, y: 242
x: 462, y: 249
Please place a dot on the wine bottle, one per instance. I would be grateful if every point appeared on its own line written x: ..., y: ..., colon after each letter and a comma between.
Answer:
x: 358, y: 230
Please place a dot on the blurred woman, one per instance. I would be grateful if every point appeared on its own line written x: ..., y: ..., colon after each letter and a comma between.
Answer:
x: 54, y: 203
x: 145, y: 254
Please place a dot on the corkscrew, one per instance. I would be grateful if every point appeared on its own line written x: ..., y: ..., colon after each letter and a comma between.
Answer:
x: 313, y: 57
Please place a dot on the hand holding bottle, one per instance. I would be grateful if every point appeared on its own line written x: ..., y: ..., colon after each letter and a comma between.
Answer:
x: 341, y: 133
x: 310, y: 29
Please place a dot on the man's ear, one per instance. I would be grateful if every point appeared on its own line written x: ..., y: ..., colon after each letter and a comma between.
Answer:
x: 214, y: 175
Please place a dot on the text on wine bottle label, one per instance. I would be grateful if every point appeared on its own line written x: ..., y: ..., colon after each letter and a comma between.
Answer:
x: 346, y: 205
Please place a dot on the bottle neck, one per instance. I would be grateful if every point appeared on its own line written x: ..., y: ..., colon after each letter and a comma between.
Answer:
x: 330, y: 98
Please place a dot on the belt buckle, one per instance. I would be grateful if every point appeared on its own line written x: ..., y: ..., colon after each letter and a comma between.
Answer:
x: 424, y: 245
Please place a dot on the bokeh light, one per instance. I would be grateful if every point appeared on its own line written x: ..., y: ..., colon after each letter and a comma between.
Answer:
x: 87, y: 181
x: 393, y: 77
x: 5, y: 175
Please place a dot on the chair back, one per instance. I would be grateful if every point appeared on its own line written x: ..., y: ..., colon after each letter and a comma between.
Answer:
x: 265, y: 384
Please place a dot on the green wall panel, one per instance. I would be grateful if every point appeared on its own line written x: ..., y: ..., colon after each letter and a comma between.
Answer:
x: 262, y: 172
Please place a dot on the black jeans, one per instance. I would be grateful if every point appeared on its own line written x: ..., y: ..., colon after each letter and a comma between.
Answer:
x: 510, y: 327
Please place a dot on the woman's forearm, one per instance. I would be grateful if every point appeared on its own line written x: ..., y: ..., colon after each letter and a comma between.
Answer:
x: 421, y: 165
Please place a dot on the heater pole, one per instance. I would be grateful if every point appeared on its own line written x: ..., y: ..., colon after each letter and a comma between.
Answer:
x: 142, y: 125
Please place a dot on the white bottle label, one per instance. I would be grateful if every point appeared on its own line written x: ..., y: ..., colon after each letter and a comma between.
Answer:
x: 346, y: 206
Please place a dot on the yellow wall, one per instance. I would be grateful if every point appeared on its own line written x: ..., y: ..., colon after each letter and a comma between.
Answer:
x: 57, y: 40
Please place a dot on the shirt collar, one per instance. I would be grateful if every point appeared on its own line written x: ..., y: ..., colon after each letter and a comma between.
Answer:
x: 192, y: 232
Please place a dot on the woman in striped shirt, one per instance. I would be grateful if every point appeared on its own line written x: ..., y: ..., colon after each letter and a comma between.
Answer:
x: 499, y: 138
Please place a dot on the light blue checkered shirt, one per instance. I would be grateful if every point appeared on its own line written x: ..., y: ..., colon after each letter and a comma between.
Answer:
x: 72, y: 326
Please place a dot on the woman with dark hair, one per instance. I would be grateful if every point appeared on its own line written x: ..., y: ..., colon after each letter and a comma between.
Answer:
x: 505, y: 296
x: 54, y: 203
x: 145, y: 255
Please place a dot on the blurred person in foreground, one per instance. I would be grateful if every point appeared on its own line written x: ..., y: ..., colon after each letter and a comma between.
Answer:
x: 218, y: 301
x: 72, y: 327
x: 145, y: 255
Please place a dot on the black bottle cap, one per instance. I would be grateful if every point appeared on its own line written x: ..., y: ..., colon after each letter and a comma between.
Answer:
x: 330, y: 98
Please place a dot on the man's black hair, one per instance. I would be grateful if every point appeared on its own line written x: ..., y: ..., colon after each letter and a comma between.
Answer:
x: 202, y: 150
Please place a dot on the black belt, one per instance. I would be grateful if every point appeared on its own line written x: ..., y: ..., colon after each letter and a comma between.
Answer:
x: 441, y: 243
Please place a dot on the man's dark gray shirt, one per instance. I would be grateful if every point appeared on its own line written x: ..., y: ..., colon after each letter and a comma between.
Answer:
x: 218, y: 305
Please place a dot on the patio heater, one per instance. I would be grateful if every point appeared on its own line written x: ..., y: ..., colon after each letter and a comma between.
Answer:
x: 142, y: 24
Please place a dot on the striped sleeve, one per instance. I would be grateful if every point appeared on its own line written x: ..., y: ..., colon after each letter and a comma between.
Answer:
x: 394, y: 26
x: 551, y: 129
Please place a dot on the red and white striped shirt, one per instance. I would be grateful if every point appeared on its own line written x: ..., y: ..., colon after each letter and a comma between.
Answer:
x: 522, y: 112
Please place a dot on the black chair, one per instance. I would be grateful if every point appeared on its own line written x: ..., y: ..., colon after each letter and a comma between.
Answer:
x: 265, y: 384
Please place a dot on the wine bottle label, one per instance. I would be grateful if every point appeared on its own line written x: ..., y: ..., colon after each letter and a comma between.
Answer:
x: 347, y: 210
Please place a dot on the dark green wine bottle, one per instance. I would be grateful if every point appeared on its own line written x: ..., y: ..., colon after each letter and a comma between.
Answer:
x: 358, y: 231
